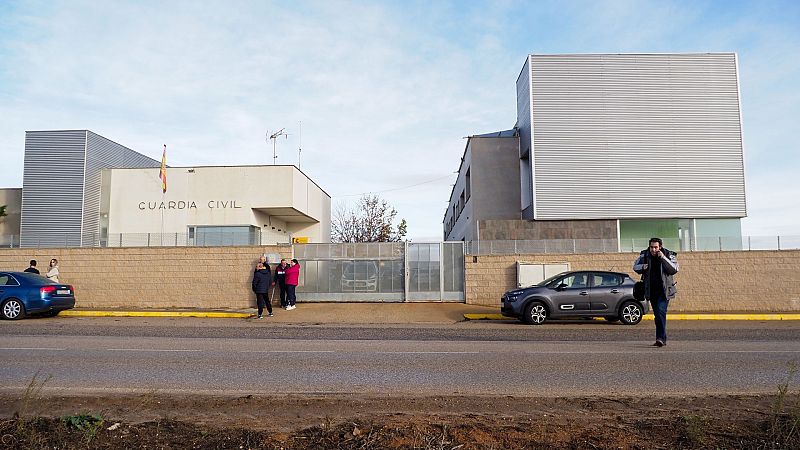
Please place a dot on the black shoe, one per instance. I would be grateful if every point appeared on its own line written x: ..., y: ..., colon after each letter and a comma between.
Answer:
x: 658, y: 344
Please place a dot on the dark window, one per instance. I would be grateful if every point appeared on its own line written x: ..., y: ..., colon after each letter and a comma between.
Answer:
x: 577, y: 280
x: 467, y: 182
x: 8, y: 280
x: 606, y: 280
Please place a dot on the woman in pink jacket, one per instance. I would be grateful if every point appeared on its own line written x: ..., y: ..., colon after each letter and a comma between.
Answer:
x: 292, y: 279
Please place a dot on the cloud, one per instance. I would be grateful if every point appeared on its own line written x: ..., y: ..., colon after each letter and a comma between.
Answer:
x: 385, y: 91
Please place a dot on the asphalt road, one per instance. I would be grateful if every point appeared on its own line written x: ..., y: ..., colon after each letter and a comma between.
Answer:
x: 253, y: 357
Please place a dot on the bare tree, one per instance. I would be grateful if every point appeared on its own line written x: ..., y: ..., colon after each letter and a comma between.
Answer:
x: 371, y: 220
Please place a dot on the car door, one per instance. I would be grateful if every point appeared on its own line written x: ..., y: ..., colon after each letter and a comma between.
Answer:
x: 8, y: 287
x: 606, y: 292
x: 571, y: 296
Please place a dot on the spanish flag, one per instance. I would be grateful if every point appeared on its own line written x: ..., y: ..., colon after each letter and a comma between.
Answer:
x: 163, y: 172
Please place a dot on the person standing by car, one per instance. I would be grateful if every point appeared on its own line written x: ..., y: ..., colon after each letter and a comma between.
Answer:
x: 52, y: 273
x: 657, y: 265
x: 261, y: 282
x: 280, y: 279
x: 32, y: 268
x: 292, y: 280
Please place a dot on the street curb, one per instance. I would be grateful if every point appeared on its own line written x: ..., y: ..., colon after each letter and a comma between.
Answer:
x: 207, y: 314
x: 761, y: 317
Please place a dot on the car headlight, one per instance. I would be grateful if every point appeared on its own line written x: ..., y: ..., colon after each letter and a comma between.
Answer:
x: 514, y: 295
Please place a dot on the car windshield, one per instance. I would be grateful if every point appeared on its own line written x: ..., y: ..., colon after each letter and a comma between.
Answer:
x: 551, y: 279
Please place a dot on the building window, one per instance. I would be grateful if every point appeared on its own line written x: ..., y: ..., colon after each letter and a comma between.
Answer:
x: 225, y: 235
x: 467, y: 181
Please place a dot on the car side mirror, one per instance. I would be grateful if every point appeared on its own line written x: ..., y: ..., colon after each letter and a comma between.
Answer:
x: 561, y: 287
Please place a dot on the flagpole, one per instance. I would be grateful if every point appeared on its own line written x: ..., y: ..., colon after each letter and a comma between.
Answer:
x: 162, y: 174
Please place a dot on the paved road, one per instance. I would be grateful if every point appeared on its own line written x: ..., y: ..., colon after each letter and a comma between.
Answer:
x: 240, y: 357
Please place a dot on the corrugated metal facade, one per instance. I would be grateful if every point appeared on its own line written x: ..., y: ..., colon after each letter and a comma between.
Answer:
x: 527, y: 170
x: 636, y: 136
x: 52, y: 188
x: 61, y: 185
x: 102, y: 153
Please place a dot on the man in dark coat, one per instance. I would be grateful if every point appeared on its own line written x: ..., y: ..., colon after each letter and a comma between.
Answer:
x: 280, y: 279
x: 658, y: 265
x: 32, y: 268
x: 261, y: 282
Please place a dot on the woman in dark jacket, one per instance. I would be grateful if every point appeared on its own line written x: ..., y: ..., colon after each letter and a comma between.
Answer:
x: 261, y: 281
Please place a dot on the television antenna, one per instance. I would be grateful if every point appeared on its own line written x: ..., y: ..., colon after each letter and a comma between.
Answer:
x: 300, y: 144
x: 274, y: 137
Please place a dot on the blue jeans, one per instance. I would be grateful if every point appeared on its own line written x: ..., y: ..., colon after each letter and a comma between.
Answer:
x: 660, y: 305
x: 291, y: 298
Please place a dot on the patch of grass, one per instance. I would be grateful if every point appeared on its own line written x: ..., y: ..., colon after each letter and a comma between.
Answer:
x: 88, y: 424
x: 785, y: 421
x: 27, y: 412
x: 695, y: 429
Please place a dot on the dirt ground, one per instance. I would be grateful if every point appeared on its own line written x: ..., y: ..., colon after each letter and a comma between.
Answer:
x: 158, y: 421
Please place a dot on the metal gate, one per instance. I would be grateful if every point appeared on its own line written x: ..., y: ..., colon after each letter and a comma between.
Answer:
x: 381, y: 271
x: 435, y: 271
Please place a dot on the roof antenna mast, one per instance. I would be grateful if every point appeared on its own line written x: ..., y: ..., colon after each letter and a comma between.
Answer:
x: 274, y: 137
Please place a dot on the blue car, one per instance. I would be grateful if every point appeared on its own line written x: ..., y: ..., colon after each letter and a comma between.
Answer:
x: 24, y: 293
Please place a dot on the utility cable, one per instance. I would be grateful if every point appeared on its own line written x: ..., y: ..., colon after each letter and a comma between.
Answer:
x: 394, y: 189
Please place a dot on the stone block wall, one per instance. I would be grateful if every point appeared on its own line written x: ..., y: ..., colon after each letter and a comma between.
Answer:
x: 494, y: 229
x: 150, y: 277
x: 758, y: 281
x: 219, y: 277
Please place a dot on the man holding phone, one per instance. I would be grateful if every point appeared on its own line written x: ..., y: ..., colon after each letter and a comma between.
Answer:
x: 657, y: 265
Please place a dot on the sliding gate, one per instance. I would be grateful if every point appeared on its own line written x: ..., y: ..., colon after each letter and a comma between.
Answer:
x: 381, y: 271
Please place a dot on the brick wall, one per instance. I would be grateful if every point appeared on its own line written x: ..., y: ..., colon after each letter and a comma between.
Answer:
x: 219, y: 277
x: 707, y: 281
x: 181, y: 277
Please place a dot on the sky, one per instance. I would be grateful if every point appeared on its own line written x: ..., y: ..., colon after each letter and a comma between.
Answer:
x: 383, y: 92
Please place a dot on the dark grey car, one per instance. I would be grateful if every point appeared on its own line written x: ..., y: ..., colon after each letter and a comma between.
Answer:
x: 585, y: 293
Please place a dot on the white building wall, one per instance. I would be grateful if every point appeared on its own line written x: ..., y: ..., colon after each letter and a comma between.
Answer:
x: 635, y: 136
x: 276, y: 199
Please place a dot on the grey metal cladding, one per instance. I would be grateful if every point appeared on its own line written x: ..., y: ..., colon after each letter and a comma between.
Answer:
x: 637, y: 136
x: 52, y: 187
x: 103, y: 153
x: 525, y: 139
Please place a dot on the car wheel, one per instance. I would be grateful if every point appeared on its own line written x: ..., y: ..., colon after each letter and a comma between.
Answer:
x: 12, y: 309
x: 535, y: 313
x: 630, y: 313
x: 612, y: 319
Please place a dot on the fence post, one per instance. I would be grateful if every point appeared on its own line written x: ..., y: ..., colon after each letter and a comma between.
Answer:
x: 748, y: 243
x: 405, y: 271
x: 515, y: 247
x: 574, y: 250
x: 720, y: 242
x: 148, y: 239
x: 441, y: 271
x: 779, y: 242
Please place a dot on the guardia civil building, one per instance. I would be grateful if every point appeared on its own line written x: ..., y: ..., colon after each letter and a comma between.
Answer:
x: 82, y: 189
x: 609, y: 146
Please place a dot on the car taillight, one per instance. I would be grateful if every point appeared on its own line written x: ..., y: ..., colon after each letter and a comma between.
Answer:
x: 45, y: 290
